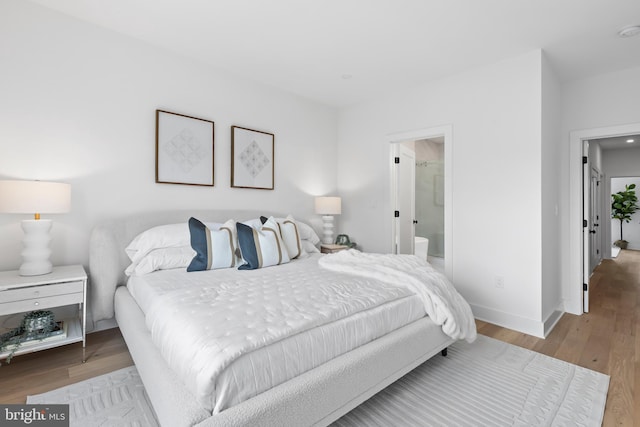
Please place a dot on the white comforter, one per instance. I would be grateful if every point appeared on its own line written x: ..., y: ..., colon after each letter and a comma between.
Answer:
x: 444, y: 305
x: 203, y: 328
x: 207, y: 322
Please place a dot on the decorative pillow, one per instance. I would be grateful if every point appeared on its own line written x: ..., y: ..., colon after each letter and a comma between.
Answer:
x: 214, y: 248
x: 162, y: 236
x: 290, y: 236
x: 162, y: 259
x: 261, y: 247
x: 254, y: 223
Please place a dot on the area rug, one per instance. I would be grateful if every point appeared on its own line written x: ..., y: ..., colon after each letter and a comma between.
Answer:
x: 487, y: 383
x: 114, y: 399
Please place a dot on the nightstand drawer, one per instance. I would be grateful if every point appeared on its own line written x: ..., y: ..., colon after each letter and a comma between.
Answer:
x: 40, y: 303
x: 35, y: 292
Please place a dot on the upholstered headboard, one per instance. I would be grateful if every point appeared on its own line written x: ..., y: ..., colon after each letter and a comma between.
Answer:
x: 108, y: 260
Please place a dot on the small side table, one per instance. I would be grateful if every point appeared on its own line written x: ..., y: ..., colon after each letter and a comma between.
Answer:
x: 330, y: 249
x: 65, y: 285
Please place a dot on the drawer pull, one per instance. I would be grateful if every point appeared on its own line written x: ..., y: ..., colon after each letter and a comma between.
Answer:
x: 36, y: 303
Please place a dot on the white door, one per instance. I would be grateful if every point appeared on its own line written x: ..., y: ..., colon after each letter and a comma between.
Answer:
x: 595, y: 253
x: 405, y: 164
x: 586, y: 225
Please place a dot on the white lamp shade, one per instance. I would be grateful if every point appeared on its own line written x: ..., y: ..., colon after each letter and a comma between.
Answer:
x: 328, y: 205
x: 31, y: 197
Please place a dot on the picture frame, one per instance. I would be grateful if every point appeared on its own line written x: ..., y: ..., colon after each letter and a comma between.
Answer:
x: 252, y: 158
x: 184, y: 149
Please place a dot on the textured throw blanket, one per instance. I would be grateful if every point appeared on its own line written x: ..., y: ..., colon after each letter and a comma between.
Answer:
x: 444, y: 305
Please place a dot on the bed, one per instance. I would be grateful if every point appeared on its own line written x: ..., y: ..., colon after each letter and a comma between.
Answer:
x: 321, y: 387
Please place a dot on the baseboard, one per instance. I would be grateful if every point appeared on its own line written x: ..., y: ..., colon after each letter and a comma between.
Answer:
x: 552, y: 321
x: 102, y: 325
x: 510, y: 321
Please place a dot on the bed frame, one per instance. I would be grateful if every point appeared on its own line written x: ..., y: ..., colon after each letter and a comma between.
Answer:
x: 315, y: 398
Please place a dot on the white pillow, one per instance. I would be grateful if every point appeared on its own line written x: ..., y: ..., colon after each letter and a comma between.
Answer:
x: 309, y: 247
x: 162, y: 236
x: 308, y: 233
x: 162, y: 259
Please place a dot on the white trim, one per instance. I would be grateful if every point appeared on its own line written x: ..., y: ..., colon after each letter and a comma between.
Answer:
x: 552, y: 320
x: 508, y: 320
x: 447, y: 132
x: 574, y: 293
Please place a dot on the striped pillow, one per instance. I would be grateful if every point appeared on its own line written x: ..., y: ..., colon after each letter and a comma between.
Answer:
x: 290, y: 236
x: 261, y: 247
x: 214, y: 248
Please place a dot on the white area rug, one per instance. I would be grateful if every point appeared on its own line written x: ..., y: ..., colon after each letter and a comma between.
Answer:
x: 114, y: 399
x: 487, y: 383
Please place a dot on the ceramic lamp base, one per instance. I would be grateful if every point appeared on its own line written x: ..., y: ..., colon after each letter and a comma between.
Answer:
x: 327, y: 229
x: 36, y: 252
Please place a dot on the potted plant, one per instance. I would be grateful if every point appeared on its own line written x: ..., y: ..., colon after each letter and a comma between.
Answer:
x: 623, y: 206
x: 36, y: 325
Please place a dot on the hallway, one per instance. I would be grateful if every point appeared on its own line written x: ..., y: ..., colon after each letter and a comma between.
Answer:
x: 607, y: 339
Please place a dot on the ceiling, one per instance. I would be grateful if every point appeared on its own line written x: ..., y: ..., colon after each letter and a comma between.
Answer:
x: 341, y: 52
x: 618, y: 142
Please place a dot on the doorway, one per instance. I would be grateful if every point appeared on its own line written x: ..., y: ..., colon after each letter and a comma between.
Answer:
x: 577, y: 289
x: 424, y: 211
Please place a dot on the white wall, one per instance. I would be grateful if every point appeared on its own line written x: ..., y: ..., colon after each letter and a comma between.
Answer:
x: 497, y: 191
x: 606, y: 100
x: 78, y: 105
x: 551, y: 176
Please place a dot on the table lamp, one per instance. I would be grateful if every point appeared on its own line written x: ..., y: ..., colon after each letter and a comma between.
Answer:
x: 328, y: 207
x: 35, y: 197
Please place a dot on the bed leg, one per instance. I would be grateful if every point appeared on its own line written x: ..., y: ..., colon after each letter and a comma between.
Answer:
x: 444, y: 352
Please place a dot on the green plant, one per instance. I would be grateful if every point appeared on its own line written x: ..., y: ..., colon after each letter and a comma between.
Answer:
x: 624, y: 205
x: 35, y: 325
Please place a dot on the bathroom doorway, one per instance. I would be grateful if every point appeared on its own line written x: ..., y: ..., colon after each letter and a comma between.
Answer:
x: 429, y: 196
x: 429, y: 222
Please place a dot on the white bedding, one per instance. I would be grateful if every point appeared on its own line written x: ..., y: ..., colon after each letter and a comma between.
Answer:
x: 270, y: 324
x: 442, y: 302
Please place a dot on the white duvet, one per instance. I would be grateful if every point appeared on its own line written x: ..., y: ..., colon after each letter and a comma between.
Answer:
x: 225, y: 319
x: 232, y: 334
x: 444, y: 305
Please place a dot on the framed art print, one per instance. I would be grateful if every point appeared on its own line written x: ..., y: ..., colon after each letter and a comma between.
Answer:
x: 251, y: 158
x: 184, y: 149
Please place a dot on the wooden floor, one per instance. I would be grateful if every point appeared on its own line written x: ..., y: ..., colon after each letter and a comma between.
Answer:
x: 607, y: 340
x: 50, y: 369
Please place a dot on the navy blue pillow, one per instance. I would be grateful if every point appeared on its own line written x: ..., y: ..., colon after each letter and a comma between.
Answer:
x: 214, y: 248
x: 261, y: 247
x: 199, y: 244
x: 247, y: 247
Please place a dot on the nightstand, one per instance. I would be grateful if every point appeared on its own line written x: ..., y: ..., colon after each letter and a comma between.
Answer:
x: 330, y: 249
x: 64, y: 286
